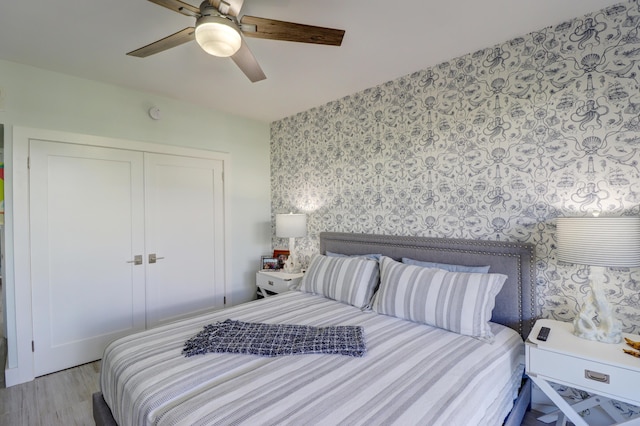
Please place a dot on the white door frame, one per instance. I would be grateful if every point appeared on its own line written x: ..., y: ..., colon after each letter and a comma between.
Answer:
x: 20, y: 361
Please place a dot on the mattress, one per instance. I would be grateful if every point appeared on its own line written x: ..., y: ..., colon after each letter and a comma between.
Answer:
x: 412, y: 373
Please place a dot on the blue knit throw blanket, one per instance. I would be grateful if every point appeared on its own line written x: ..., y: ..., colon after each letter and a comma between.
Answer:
x: 276, y: 339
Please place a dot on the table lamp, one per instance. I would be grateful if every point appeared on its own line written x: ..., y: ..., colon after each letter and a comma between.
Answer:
x: 599, y: 242
x: 291, y: 226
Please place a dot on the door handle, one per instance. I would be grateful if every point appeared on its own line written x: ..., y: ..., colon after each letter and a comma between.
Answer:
x: 137, y: 260
x: 153, y: 258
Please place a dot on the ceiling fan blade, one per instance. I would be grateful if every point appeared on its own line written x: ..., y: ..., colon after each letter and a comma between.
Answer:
x: 245, y: 60
x: 173, y: 40
x: 289, y: 31
x: 178, y: 6
x: 227, y: 7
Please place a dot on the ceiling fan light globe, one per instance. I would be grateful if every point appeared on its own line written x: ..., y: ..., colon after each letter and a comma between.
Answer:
x: 217, y: 36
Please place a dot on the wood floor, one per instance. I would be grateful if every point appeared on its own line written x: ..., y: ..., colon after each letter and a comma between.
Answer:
x: 58, y: 399
x: 530, y: 419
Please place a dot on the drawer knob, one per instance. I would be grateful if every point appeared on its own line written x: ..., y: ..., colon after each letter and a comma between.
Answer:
x: 598, y: 377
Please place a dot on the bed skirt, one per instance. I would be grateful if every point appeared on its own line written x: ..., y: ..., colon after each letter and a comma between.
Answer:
x: 101, y: 412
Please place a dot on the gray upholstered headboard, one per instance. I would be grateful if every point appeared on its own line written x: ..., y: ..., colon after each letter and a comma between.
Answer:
x: 516, y: 303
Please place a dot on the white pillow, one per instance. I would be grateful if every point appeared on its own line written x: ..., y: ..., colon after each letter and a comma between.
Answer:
x: 346, y: 279
x: 456, y: 301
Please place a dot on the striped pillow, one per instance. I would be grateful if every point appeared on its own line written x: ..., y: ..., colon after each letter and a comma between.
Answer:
x: 350, y: 280
x: 456, y: 301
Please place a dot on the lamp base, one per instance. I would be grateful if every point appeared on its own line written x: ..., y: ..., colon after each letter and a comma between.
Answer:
x: 596, y: 321
x: 291, y: 266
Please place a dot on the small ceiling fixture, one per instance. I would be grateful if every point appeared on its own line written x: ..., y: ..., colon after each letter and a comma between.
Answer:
x: 218, y: 36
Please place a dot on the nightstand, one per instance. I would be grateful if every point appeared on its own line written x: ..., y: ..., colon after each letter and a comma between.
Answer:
x: 595, y: 367
x: 276, y: 282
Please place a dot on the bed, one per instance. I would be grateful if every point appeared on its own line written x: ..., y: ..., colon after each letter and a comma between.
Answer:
x: 412, y: 373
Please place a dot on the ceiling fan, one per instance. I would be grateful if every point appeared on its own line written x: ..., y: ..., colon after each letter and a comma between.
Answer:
x: 220, y: 32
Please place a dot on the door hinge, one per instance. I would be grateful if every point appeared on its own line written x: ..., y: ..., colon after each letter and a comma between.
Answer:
x: 33, y: 346
x: 28, y: 162
x: 224, y: 300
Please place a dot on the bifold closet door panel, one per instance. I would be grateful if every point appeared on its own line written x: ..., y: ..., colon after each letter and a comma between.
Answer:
x: 87, y: 225
x: 184, y: 222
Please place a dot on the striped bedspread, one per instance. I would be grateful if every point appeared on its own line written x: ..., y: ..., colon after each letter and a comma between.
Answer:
x: 411, y: 374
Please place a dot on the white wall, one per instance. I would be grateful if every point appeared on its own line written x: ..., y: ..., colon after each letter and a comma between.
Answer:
x: 42, y: 99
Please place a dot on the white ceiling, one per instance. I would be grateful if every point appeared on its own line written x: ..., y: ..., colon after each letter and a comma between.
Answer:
x: 384, y: 40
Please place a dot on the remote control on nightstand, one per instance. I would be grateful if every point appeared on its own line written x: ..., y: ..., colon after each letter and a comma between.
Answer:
x: 544, y: 333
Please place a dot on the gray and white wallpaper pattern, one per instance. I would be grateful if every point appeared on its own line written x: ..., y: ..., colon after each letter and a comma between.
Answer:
x: 492, y: 145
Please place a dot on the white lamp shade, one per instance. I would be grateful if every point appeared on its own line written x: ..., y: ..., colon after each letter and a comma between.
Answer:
x: 291, y: 225
x: 217, y: 36
x: 599, y: 241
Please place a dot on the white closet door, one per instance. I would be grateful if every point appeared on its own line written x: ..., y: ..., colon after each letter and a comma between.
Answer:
x: 86, y: 213
x: 184, y: 229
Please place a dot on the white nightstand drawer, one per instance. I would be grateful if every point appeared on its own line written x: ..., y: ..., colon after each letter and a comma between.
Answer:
x: 274, y: 284
x: 588, y: 375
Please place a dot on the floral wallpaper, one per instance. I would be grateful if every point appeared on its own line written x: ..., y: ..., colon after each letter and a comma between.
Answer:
x: 492, y: 145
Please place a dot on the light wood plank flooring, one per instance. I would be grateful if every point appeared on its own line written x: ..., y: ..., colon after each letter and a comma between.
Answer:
x: 531, y: 419
x: 57, y: 399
